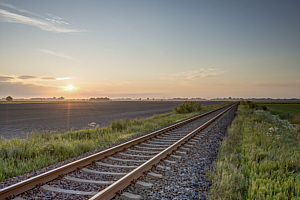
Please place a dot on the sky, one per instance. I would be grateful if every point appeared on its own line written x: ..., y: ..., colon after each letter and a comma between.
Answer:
x: 154, y: 49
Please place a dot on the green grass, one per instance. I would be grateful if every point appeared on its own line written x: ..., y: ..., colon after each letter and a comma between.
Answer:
x: 39, y: 150
x: 259, y: 159
x: 289, y: 112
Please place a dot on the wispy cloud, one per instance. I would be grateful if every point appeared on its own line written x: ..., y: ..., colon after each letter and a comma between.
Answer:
x: 24, y: 78
x: 59, y: 79
x: 5, y: 78
x: 56, y: 54
x: 19, y: 10
x: 50, y: 23
x: 194, y: 75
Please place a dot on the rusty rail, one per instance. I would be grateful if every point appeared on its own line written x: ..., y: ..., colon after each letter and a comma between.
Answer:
x: 32, y: 182
x: 126, y: 180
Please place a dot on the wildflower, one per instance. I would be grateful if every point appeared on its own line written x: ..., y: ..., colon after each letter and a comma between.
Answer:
x: 93, y: 125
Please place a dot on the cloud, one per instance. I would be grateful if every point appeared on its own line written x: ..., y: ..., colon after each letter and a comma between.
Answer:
x: 48, y: 78
x: 26, y: 77
x: 287, y: 84
x: 194, y: 75
x: 56, y: 54
x: 66, y: 78
x: 18, y: 89
x: 51, y: 23
x: 5, y: 78
x: 19, y: 10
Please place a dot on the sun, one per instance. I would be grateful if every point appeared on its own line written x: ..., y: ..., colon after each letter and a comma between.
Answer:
x: 69, y: 87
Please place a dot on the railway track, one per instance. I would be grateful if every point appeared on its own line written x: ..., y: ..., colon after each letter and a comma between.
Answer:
x: 105, y: 174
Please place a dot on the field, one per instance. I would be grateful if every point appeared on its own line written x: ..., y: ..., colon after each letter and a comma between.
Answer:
x: 260, y: 157
x: 20, y: 119
x: 20, y: 156
x: 285, y: 110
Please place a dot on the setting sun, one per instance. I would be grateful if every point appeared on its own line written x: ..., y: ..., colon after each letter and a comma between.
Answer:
x: 69, y: 87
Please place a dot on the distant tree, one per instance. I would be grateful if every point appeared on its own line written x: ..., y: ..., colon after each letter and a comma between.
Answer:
x: 9, y: 98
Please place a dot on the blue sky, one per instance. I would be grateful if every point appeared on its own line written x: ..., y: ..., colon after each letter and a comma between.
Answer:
x: 150, y: 48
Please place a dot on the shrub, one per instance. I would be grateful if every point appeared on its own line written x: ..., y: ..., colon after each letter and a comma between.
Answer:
x: 188, y: 107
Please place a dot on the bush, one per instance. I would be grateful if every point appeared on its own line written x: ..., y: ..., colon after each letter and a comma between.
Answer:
x: 253, y: 105
x: 188, y: 107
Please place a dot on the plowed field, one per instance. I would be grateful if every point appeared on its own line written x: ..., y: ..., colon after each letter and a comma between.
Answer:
x: 20, y: 119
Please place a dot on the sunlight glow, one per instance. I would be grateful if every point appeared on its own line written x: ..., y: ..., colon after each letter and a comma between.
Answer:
x: 69, y: 87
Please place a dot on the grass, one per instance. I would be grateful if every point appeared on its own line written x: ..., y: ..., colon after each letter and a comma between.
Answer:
x: 39, y: 150
x: 286, y: 111
x: 258, y: 159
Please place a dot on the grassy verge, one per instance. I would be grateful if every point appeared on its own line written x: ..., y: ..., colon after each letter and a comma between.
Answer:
x: 259, y: 158
x: 20, y: 156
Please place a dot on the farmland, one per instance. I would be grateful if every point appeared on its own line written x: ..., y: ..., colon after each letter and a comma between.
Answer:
x: 285, y: 110
x: 20, y: 119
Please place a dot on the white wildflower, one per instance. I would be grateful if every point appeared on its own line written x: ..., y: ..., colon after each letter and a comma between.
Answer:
x: 93, y: 125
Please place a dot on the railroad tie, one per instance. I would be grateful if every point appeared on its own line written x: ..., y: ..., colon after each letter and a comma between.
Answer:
x: 155, y: 145
x: 185, y: 149
x: 161, y: 140
x: 79, y: 180
x: 176, y: 157
x: 198, y: 137
x: 133, y: 155
x: 170, y: 161
x: 180, y: 152
x: 149, y: 148
x: 49, y: 188
x: 149, y: 152
x: 192, y: 143
x: 86, y: 170
x: 154, y: 175
x: 130, y: 196
x: 18, y: 198
x: 125, y: 160
x: 143, y: 184
x: 116, y: 166
x: 163, y: 168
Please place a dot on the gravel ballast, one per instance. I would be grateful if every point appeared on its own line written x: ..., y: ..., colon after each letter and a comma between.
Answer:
x: 186, y: 179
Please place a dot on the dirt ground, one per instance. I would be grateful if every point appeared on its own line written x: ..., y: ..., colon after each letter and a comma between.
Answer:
x: 20, y: 119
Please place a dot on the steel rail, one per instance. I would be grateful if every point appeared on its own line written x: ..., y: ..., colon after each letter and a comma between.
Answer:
x: 32, y: 182
x: 126, y: 180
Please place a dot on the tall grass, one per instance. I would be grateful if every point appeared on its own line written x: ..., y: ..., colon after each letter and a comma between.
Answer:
x: 38, y: 150
x: 259, y: 158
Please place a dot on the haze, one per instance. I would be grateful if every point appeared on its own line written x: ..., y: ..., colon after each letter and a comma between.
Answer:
x: 156, y: 49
